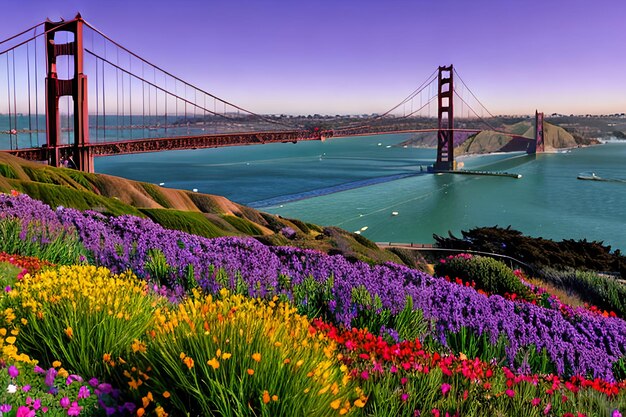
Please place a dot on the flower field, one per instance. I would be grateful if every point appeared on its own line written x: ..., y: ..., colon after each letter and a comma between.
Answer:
x: 135, y: 319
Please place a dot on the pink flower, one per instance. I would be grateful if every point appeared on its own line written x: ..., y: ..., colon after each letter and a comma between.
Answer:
x: 445, y: 388
x: 435, y: 412
x: 535, y: 401
x: 365, y: 374
x: 405, y: 396
x: 74, y: 410
x: 547, y: 409
x: 510, y: 393
x: 25, y: 412
x: 64, y: 402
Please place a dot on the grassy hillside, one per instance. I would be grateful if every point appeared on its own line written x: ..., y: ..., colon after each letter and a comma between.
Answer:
x: 201, y: 214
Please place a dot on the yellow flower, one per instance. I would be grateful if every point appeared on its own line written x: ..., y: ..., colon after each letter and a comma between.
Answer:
x: 138, y: 346
x: 182, y: 355
x: 335, y: 404
x: 69, y: 332
x: 360, y: 402
x: 160, y: 412
x: 3, y: 332
x: 266, y: 397
x: 56, y: 364
x: 274, y: 397
x: 214, y: 363
x: 256, y: 356
x: 226, y: 355
x: 10, y: 340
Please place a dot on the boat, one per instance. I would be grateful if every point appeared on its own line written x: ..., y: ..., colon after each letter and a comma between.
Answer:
x: 364, y: 228
x: 593, y: 176
x: 394, y: 213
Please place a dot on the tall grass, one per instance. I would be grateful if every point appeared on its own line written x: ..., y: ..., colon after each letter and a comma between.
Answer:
x: 53, y: 244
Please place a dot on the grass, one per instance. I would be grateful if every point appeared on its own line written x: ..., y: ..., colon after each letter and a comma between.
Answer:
x: 243, y: 225
x: 190, y: 222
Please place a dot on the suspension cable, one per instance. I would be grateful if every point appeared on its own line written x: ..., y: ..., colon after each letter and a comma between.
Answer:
x: 473, y: 95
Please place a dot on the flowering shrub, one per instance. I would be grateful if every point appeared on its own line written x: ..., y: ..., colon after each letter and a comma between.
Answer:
x: 27, y: 390
x: 582, y: 344
x: 489, y: 274
x: 79, y: 313
x: 239, y: 356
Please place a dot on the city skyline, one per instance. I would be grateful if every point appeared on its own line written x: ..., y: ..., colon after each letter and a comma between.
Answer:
x: 363, y: 57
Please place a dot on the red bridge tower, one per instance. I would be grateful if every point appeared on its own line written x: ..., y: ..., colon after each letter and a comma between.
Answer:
x: 75, y: 87
x: 445, y: 134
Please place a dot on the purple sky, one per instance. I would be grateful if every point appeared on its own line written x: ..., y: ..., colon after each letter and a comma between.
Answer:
x: 333, y: 56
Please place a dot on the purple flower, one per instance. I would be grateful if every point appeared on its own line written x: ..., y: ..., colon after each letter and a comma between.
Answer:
x: 5, y: 408
x: 13, y: 372
x: 39, y: 370
x: 26, y: 388
x: 93, y: 382
x: 50, y: 375
x: 83, y: 392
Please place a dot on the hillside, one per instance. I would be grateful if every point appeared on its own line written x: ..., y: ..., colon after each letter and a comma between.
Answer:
x: 202, y: 214
x: 488, y: 141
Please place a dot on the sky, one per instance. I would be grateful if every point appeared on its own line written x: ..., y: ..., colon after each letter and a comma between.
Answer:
x: 354, y: 57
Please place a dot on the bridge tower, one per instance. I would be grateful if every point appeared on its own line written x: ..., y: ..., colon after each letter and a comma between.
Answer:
x: 75, y: 87
x: 538, y: 144
x: 445, y: 132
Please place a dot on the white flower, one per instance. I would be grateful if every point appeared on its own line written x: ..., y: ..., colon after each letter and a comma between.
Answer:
x: 11, y: 389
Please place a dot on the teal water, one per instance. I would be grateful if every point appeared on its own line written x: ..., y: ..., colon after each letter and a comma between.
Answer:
x: 358, y: 182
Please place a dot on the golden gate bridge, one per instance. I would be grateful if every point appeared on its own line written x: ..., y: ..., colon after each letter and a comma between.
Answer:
x: 101, y: 99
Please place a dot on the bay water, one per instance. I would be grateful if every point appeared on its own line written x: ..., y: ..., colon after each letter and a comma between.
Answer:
x: 372, y: 185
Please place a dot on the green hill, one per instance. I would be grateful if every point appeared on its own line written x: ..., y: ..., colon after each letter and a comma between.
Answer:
x: 201, y: 214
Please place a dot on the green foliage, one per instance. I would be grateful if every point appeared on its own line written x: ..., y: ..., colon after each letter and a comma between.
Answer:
x: 300, y: 225
x: 157, y: 266
x: 489, y: 274
x: 8, y: 273
x: 7, y: 171
x: 56, y: 246
x: 156, y: 194
x: 243, y: 225
x: 186, y: 221
x: 273, y: 223
x: 55, y: 195
x: 365, y: 241
x: 603, y: 291
x: 539, y: 252
x: 83, y: 178
x: 205, y: 203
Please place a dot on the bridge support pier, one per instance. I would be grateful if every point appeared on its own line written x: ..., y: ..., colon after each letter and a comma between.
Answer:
x: 79, y: 155
x: 445, y: 133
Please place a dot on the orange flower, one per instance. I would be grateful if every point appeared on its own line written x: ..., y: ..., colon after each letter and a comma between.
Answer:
x: 56, y: 364
x: 256, y: 356
x: 138, y: 346
x: 166, y: 394
x: 140, y: 412
x: 69, y: 332
x: 250, y: 371
x: 274, y: 397
x: 266, y: 397
x: 335, y: 404
x: 106, y: 357
x: 214, y: 363
x: 188, y: 361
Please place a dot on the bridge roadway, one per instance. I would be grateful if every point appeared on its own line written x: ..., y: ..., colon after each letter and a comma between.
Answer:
x: 214, y: 141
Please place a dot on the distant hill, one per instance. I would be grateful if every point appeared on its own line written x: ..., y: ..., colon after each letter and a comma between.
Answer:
x: 489, y: 141
x: 201, y: 214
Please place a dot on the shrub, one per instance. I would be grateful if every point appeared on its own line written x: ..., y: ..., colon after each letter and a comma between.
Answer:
x: 489, y: 274
x: 80, y: 315
x: 236, y: 356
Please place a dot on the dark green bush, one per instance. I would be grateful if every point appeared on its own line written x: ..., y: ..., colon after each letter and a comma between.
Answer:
x: 489, y: 274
